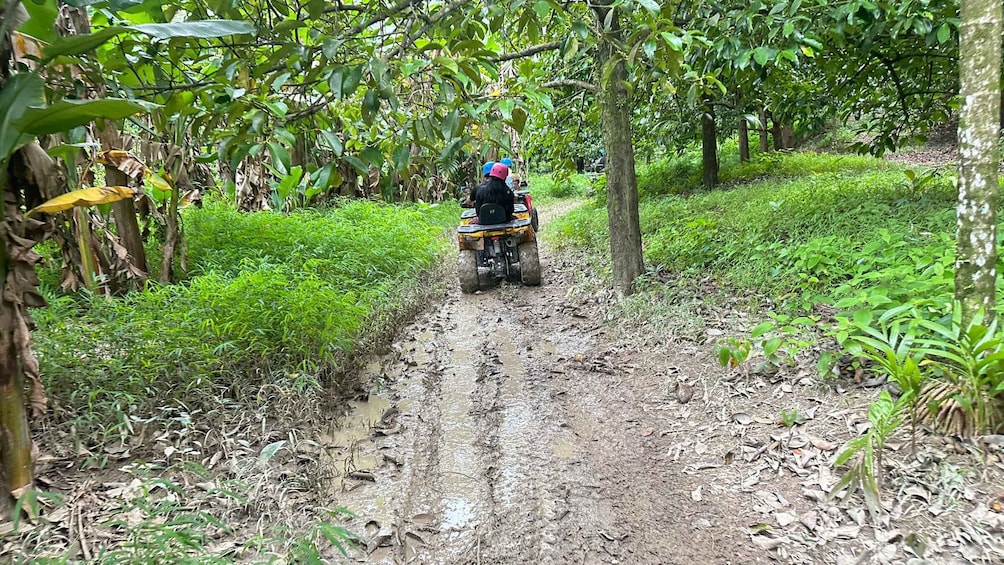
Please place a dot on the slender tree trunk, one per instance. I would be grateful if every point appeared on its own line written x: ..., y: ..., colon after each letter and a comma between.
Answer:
x: 124, y: 211
x: 764, y: 142
x: 744, y: 140
x: 709, y: 145
x: 622, y: 184
x: 979, y: 129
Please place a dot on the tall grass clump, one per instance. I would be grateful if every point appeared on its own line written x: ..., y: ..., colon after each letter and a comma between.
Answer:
x: 270, y: 298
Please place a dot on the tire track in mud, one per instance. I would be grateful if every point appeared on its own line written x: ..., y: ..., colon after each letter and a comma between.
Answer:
x: 505, y: 432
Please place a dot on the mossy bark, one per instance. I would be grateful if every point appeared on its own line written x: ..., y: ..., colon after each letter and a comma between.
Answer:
x: 622, y: 183
x: 980, y: 73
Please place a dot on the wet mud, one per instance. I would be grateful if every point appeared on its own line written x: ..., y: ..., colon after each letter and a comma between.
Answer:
x: 503, y: 428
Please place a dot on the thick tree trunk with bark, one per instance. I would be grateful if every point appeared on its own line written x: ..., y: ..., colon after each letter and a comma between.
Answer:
x: 709, y: 145
x: 788, y: 136
x: 622, y: 183
x: 775, y: 132
x: 979, y: 130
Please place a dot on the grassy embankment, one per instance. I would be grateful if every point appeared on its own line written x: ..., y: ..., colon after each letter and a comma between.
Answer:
x: 272, y: 301
x: 797, y: 229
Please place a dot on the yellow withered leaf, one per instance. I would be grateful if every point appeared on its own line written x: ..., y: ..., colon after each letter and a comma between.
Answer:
x: 93, y: 196
x: 123, y: 161
x: 158, y: 182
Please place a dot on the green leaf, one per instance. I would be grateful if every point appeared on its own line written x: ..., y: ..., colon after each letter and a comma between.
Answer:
x: 68, y: 114
x: 270, y: 450
x: 197, y: 29
x: 761, y: 55
x: 761, y: 329
x: 724, y: 355
x: 943, y: 33
x: 280, y: 157
x: 402, y: 156
x: 42, y: 19
x: 72, y: 45
x: 650, y: 5
x: 771, y: 346
x: 333, y: 142
x: 373, y: 156
x: 352, y: 80
x: 518, y: 121
x: 20, y: 92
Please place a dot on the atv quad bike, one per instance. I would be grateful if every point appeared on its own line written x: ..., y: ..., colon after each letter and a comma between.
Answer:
x: 496, y: 249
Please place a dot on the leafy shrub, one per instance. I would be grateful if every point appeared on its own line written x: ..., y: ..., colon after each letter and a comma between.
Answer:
x: 271, y: 296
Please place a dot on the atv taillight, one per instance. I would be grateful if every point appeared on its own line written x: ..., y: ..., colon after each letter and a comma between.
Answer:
x: 496, y: 238
x: 526, y: 198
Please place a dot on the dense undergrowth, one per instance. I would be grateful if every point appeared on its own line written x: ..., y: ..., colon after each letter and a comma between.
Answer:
x: 283, y: 301
x: 801, y: 229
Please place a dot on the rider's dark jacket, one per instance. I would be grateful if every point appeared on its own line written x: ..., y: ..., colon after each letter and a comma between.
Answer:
x: 484, y: 194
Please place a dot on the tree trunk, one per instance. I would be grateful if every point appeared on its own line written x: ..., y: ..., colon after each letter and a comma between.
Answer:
x: 788, y: 136
x: 124, y: 211
x: 17, y: 362
x: 744, y: 140
x: 622, y: 185
x: 709, y: 145
x: 775, y: 132
x: 15, y: 441
x: 979, y: 76
x: 764, y: 142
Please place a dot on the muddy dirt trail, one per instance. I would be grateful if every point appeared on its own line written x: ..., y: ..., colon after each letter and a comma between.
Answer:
x: 505, y: 428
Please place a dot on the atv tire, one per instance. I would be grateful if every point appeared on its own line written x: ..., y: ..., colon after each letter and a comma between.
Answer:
x: 534, y: 222
x: 467, y: 269
x: 529, y: 263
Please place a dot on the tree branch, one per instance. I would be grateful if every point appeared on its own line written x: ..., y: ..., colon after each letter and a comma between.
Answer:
x: 581, y: 84
x: 397, y: 8
x: 528, y: 52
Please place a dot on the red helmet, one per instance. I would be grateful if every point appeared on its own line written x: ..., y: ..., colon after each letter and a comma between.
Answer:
x: 499, y: 171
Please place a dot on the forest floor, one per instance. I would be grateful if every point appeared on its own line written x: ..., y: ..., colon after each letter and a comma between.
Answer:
x: 518, y: 425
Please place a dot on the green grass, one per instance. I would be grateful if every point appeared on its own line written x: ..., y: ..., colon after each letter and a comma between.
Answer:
x: 798, y: 228
x: 555, y: 187
x: 271, y: 298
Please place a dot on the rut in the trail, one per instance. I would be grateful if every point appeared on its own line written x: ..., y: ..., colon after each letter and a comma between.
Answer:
x: 504, y: 433
x: 475, y: 487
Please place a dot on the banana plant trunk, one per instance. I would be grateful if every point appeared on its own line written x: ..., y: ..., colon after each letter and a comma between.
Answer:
x: 980, y: 89
x: 622, y: 184
x: 17, y: 363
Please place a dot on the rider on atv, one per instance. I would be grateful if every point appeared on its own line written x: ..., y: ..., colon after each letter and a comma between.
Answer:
x: 486, y: 170
x: 495, y: 191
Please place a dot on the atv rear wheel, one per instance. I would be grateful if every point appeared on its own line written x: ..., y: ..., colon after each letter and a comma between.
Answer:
x: 529, y: 263
x: 467, y: 269
x: 534, y: 222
